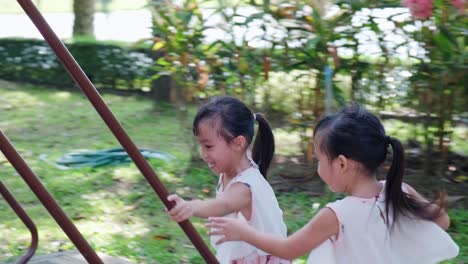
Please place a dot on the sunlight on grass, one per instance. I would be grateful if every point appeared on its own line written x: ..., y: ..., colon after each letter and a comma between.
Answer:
x: 130, y: 174
x: 20, y: 99
x: 168, y: 177
x: 114, y: 225
x: 62, y: 95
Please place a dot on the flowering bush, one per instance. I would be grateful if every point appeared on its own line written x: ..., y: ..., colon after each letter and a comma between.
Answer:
x: 437, y: 78
x: 422, y: 9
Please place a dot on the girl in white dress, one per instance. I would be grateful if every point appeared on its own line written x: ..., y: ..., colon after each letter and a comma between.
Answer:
x: 224, y: 128
x: 378, y: 222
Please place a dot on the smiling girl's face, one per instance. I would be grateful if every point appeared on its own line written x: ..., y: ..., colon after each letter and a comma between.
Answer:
x: 215, y: 150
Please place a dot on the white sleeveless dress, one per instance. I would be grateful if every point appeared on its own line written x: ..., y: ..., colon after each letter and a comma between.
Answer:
x: 365, y: 239
x: 266, y: 217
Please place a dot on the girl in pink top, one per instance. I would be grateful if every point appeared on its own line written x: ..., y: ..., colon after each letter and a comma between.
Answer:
x: 378, y: 222
x: 224, y: 127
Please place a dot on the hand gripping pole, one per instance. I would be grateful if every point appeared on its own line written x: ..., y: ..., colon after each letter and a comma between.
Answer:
x: 96, y: 100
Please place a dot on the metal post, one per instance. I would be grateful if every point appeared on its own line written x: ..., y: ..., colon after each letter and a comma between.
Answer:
x: 47, y: 200
x: 28, y: 222
x: 106, y: 114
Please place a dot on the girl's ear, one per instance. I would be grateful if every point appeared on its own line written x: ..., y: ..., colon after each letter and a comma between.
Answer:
x: 343, y: 162
x: 239, y: 143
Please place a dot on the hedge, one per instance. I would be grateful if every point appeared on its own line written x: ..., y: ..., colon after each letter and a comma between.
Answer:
x: 107, y: 65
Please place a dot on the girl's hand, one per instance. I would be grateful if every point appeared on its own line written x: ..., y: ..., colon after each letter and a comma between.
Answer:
x: 229, y: 229
x: 182, y: 209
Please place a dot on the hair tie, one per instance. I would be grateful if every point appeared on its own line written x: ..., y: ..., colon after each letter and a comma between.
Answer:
x: 388, y: 140
x: 254, y: 117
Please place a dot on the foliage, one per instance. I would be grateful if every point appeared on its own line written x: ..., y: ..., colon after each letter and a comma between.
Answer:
x: 178, y: 37
x: 107, y: 65
x: 439, y: 78
x: 317, y: 48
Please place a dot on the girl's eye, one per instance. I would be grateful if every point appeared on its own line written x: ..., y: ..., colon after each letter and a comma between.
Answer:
x: 208, y: 147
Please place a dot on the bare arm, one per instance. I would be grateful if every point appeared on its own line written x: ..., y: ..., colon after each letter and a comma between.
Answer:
x: 321, y: 227
x: 237, y: 197
x: 442, y: 219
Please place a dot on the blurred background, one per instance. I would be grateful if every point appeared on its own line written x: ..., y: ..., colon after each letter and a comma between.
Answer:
x: 154, y: 63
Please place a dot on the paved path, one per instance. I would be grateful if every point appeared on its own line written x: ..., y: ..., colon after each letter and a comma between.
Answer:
x: 73, y: 257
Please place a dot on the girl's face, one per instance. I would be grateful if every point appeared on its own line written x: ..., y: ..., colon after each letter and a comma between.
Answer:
x: 329, y: 170
x: 215, y: 150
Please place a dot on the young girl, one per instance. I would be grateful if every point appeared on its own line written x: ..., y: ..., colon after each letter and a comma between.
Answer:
x: 224, y: 128
x: 378, y: 222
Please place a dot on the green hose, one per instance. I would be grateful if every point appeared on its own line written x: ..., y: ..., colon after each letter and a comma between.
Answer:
x: 98, y: 158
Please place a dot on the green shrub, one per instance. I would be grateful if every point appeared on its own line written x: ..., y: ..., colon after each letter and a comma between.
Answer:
x: 107, y: 65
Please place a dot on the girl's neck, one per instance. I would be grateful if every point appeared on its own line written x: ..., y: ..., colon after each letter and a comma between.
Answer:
x: 365, y: 187
x: 243, y: 164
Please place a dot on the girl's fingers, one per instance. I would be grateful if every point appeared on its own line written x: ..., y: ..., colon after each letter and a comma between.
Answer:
x: 221, y: 240
x: 181, y: 216
x: 175, y: 211
x: 173, y: 198
x: 210, y: 224
x: 215, y: 219
x: 215, y: 233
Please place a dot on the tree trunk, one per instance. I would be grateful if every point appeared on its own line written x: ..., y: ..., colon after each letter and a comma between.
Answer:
x: 162, y: 89
x: 84, y: 18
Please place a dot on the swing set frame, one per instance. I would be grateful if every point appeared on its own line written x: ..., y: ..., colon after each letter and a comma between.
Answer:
x: 119, y: 132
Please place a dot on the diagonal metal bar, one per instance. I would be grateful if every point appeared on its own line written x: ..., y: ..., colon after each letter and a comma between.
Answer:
x: 106, y: 114
x: 47, y: 200
x: 28, y: 222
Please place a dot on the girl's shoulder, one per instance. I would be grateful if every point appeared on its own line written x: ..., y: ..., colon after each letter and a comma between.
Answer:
x: 250, y: 175
x: 350, y: 207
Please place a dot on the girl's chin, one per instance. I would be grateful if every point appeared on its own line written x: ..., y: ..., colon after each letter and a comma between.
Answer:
x: 214, y: 170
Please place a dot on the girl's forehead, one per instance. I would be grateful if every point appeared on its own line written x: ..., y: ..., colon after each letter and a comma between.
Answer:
x: 208, y: 128
x: 209, y: 124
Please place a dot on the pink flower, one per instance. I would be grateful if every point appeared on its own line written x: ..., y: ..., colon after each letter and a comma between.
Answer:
x: 460, y: 5
x: 420, y: 9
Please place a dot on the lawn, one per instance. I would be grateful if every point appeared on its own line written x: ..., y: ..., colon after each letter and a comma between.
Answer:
x: 113, y: 206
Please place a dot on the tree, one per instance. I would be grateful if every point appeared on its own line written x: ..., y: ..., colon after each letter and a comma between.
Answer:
x: 84, y: 18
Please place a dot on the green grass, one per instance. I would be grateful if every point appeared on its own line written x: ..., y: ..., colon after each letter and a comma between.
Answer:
x: 113, y: 207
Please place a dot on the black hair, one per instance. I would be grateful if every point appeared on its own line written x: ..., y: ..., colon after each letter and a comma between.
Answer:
x: 236, y: 119
x: 360, y: 136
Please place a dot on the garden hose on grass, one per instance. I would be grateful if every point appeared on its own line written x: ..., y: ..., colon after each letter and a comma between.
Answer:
x: 98, y: 158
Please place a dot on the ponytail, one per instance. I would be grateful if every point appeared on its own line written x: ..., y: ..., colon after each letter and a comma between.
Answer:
x: 264, y: 145
x: 398, y: 202
x: 360, y: 136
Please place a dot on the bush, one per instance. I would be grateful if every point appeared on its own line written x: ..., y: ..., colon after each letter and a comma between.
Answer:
x: 107, y: 65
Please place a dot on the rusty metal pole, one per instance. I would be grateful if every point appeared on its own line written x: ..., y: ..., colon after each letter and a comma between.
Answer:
x: 27, y: 221
x: 106, y: 114
x: 47, y: 200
